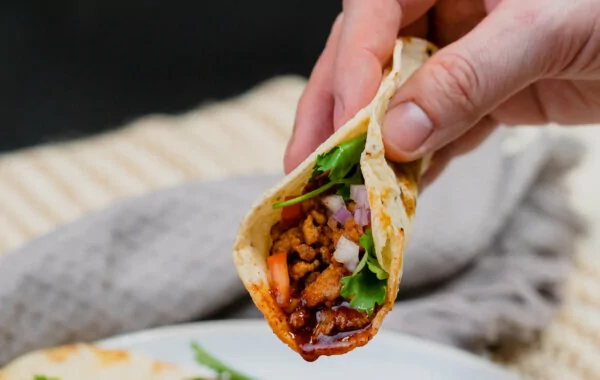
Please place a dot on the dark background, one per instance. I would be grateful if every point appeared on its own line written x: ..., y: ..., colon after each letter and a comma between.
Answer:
x: 71, y: 68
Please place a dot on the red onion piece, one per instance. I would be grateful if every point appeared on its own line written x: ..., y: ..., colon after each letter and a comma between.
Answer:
x: 342, y: 215
x: 358, y: 193
x: 346, y: 252
x: 334, y: 202
x: 362, y: 216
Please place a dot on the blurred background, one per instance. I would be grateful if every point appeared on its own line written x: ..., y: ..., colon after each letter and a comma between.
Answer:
x: 73, y: 68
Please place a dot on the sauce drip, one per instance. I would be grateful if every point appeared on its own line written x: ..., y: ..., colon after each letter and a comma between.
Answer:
x: 312, y: 348
x: 313, y: 344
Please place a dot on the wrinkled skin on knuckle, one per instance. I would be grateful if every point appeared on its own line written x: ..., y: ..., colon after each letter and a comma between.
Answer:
x: 455, y: 77
x: 575, y: 34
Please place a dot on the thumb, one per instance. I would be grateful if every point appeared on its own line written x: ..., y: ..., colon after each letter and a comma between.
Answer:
x: 462, y: 83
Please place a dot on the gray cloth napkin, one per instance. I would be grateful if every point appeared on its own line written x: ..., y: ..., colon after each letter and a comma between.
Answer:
x: 491, y: 246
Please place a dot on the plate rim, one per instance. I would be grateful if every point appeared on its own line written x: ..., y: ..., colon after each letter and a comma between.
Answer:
x: 215, y: 327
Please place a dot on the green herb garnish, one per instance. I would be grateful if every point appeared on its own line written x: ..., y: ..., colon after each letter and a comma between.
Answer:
x: 42, y: 377
x: 206, y: 359
x: 368, y: 284
x: 339, y: 162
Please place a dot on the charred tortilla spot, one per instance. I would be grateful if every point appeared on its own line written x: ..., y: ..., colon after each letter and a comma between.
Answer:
x: 107, y: 358
x: 158, y: 367
x: 61, y: 354
x: 410, y: 203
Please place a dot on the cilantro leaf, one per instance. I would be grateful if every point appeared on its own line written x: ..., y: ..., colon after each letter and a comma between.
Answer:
x: 340, y: 160
x: 376, y: 268
x: 41, y: 377
x: 344, y: 192
x: 346, y: 160
x: 366, y: 287
x: 366, y: 241
x: 306, y: 196
x: 210, y: 361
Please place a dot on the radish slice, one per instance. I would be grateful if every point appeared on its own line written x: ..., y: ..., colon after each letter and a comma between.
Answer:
x: 333, y: 202
x: 342, y: 215
x: 346, y: 252
x: 358, y: 193
x: 362, y: 216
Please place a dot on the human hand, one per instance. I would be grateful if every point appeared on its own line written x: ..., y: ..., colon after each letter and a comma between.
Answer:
x: 502, y: 61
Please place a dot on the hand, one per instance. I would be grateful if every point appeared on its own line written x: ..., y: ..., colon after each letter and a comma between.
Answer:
x: 502, y: 61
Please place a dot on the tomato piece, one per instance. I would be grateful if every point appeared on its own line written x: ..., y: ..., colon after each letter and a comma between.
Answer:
x: 292, y: 213
x: 278, y: 276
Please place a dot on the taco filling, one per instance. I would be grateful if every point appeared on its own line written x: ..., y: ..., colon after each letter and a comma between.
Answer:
x: 323, y: 272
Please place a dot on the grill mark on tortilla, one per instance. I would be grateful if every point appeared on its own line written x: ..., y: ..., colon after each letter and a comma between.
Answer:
x: 407, y: 176
x: 158, y: 367
x: 61, y: 354
x: 107, y: 358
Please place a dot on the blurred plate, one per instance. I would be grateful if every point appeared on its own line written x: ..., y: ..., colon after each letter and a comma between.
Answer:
x: 250, y: 347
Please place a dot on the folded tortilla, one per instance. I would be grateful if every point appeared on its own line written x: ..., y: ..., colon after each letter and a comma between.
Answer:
x: 87, y: 361
x: 392, y: 193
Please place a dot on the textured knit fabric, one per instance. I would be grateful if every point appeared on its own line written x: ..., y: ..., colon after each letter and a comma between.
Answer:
x: 55, y: 184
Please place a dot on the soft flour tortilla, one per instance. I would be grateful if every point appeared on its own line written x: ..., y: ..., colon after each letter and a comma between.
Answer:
x: 392, y: 190
x: 84, y: 361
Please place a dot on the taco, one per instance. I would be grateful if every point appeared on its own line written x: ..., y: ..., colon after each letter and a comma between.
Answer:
x: 90, y: 362
x: 86, y: 361
x: 321, y: 252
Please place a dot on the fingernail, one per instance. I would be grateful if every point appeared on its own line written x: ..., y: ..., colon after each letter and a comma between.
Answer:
x: 406, y: 127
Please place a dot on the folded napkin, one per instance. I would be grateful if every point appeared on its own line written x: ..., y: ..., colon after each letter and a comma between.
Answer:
x: 492, y: 243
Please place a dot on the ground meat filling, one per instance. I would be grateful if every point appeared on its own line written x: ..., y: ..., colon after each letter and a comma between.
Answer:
x: 315, y: 307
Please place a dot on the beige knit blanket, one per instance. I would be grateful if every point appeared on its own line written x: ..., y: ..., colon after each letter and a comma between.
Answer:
x: 47, y: 186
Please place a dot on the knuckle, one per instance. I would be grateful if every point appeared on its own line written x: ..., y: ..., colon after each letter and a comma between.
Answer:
x: 455, y: 76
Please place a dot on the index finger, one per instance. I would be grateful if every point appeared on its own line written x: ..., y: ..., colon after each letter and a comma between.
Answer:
x: 368, y: 34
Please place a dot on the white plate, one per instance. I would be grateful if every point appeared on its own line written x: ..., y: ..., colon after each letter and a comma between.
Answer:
x: 250, y: 347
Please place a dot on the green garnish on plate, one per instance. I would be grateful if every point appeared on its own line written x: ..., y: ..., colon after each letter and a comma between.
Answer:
x: 223, y: 370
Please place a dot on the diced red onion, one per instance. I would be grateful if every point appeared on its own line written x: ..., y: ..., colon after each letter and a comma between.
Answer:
x: 342, y: 215
x: 362, y: 216
x: 346, y: 252
x: 358, y: 193
x: 333, y: 202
